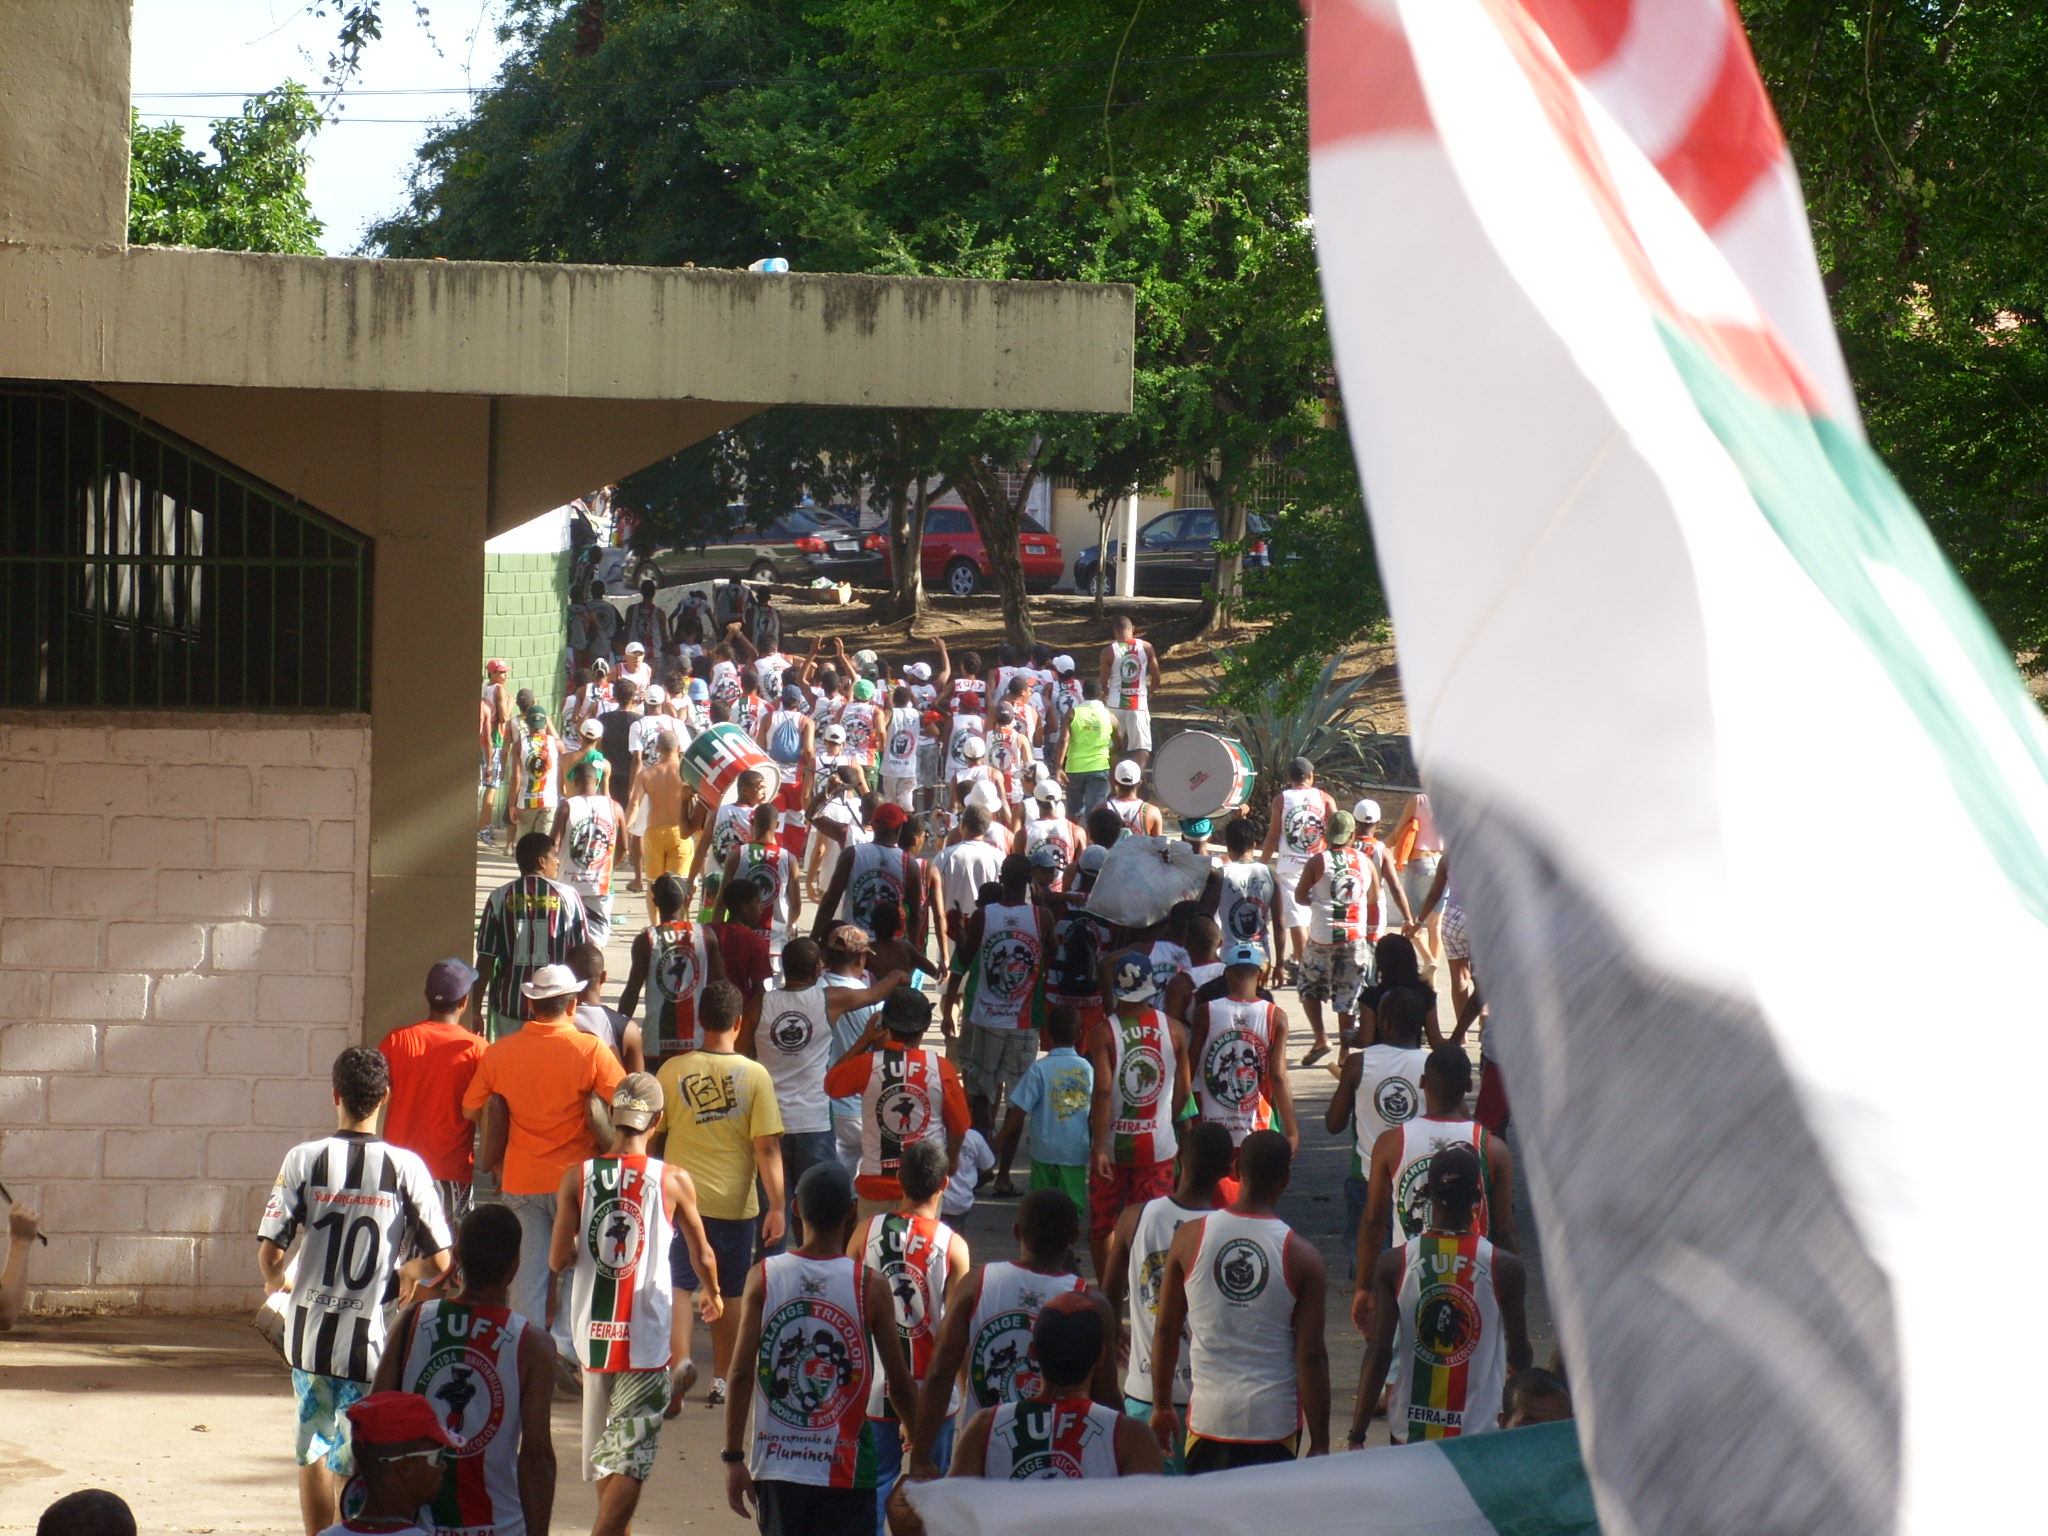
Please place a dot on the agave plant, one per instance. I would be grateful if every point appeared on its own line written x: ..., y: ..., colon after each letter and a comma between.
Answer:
x: 1279, y: 719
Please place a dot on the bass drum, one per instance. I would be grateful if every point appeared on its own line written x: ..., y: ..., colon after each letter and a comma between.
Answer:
x: 1199, y: 773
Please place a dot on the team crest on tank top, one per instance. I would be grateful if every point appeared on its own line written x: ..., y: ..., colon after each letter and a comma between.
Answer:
x: 791, y: 1031
x: 1301, y: 821
x: 904, y: 1106
x: 1002, y: 1367
x: 815, y: 1359
x: 1396, y: 1100
x: 1241, y: 1270
x: 460, y: 1374
x: 878, y: 880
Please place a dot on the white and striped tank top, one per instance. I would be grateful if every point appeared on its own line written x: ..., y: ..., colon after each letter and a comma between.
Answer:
x: 812, y: 1375
x: 464, y: 1360
x: 620, y: 1307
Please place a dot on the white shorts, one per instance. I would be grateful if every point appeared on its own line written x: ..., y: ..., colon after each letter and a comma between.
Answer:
x: 898, y: 790
x: 1136, y: 725
x: 1287, y: 875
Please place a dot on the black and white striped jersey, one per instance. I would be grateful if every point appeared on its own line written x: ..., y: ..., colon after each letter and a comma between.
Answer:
x: 356, y: 1199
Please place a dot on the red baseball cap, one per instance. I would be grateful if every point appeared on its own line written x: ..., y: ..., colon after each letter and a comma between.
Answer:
x: 495, y: 665
x: 889, y: 815
x: 392, y: 1418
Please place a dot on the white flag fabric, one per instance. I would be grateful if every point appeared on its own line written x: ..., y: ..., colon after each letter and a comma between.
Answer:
x: 1527, y: 1482
x: 1745, y: 803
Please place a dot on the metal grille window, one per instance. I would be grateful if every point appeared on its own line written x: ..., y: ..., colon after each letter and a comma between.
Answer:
x: 138, y: 571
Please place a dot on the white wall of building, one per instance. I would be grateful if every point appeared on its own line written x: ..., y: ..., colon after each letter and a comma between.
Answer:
x: 182, y: 903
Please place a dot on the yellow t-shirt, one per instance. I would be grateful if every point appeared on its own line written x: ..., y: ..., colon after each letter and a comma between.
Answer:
x: 717, y: 1102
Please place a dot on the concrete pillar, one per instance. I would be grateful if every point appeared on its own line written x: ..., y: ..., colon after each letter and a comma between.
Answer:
x: 64, y: 123
x: 434, y: 464
x: 1127, y: 542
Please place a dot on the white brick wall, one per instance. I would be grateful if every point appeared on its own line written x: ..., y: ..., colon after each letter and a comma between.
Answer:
x: 181, y: 955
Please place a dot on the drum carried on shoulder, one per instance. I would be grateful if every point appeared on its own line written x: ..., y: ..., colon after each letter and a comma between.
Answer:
x: 1199, y: 773
x: 716, y: 757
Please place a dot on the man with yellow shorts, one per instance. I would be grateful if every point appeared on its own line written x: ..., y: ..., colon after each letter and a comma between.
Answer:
x: 658, y: 807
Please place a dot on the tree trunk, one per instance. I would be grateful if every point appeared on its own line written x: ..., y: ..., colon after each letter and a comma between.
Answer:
x: 1001, y: 521
x: 906, y: 545
x: 1103, y: 517
x: 1218, y: 606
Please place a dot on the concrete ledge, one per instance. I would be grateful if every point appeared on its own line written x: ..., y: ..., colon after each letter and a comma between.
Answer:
x: 160, y: 315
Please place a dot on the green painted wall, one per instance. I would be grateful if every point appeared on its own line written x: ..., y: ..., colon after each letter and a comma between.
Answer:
x: 526, y: 620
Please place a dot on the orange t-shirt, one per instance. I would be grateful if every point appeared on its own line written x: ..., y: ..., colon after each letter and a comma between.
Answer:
x: 545, y: 1073
x: 431, y: 1065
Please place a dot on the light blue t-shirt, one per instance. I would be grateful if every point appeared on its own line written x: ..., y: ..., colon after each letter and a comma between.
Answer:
x: 1054, y: 1095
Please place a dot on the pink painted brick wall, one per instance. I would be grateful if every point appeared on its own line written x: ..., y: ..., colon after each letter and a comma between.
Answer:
x: 181, y: 920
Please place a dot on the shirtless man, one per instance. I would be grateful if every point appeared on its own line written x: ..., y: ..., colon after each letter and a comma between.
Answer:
x: 660, y: 786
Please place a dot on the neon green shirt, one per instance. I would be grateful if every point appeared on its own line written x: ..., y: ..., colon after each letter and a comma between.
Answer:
x: 1089, y: 733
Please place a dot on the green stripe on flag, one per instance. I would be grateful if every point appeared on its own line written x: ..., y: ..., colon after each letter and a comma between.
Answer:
x: 1526, y: 1482
x: 1842, y: 516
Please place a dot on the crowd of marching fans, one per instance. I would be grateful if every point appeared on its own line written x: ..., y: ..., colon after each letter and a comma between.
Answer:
x: 550, y: 1181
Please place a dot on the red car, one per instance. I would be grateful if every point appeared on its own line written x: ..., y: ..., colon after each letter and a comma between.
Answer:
x: 955, y: 559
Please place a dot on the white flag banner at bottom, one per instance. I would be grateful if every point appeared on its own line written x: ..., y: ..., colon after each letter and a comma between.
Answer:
x: 1528, y: 1482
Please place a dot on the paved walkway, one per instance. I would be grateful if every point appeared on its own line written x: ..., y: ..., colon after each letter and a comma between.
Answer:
x: 190, y: 1419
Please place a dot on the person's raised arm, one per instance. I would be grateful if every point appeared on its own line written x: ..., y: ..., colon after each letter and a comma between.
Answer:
x: 843, y: 1000
x: 636, y: 973
x: 1509, y: 1280
x: 1385, y: 1306
x: 739, y: 1483
x: 1500, y: 1195
x: 1375, y: 1227
x: 1311, y: 1351
x: 742, y: 648
x: 945, y: 672
x: 536, y: 1462
x: 1167, y: 1329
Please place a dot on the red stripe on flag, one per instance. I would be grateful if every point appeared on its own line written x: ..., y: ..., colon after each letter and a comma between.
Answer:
x: 1585, y: 32
x: 1733, y: 142
x: 1756, y: 357
x: 1361, y: 76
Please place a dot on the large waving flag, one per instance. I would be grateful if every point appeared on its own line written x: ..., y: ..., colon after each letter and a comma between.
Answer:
x: 1745, y: 802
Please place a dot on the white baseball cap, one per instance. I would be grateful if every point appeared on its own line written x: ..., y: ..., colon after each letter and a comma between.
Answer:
x: 987, y: 796
x: 590, y: 730
x: 656, y: 694
x: 1063, y: 663
x: 974, y: 746
x: 1047, y: 790
x: 634, y: 646
x: 1127, y: 772
x: 1367, y: 812
x: 918, y: 671
x: 833, y: 733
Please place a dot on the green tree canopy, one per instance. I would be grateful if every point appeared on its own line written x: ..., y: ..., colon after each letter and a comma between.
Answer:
x: 250, y: 197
